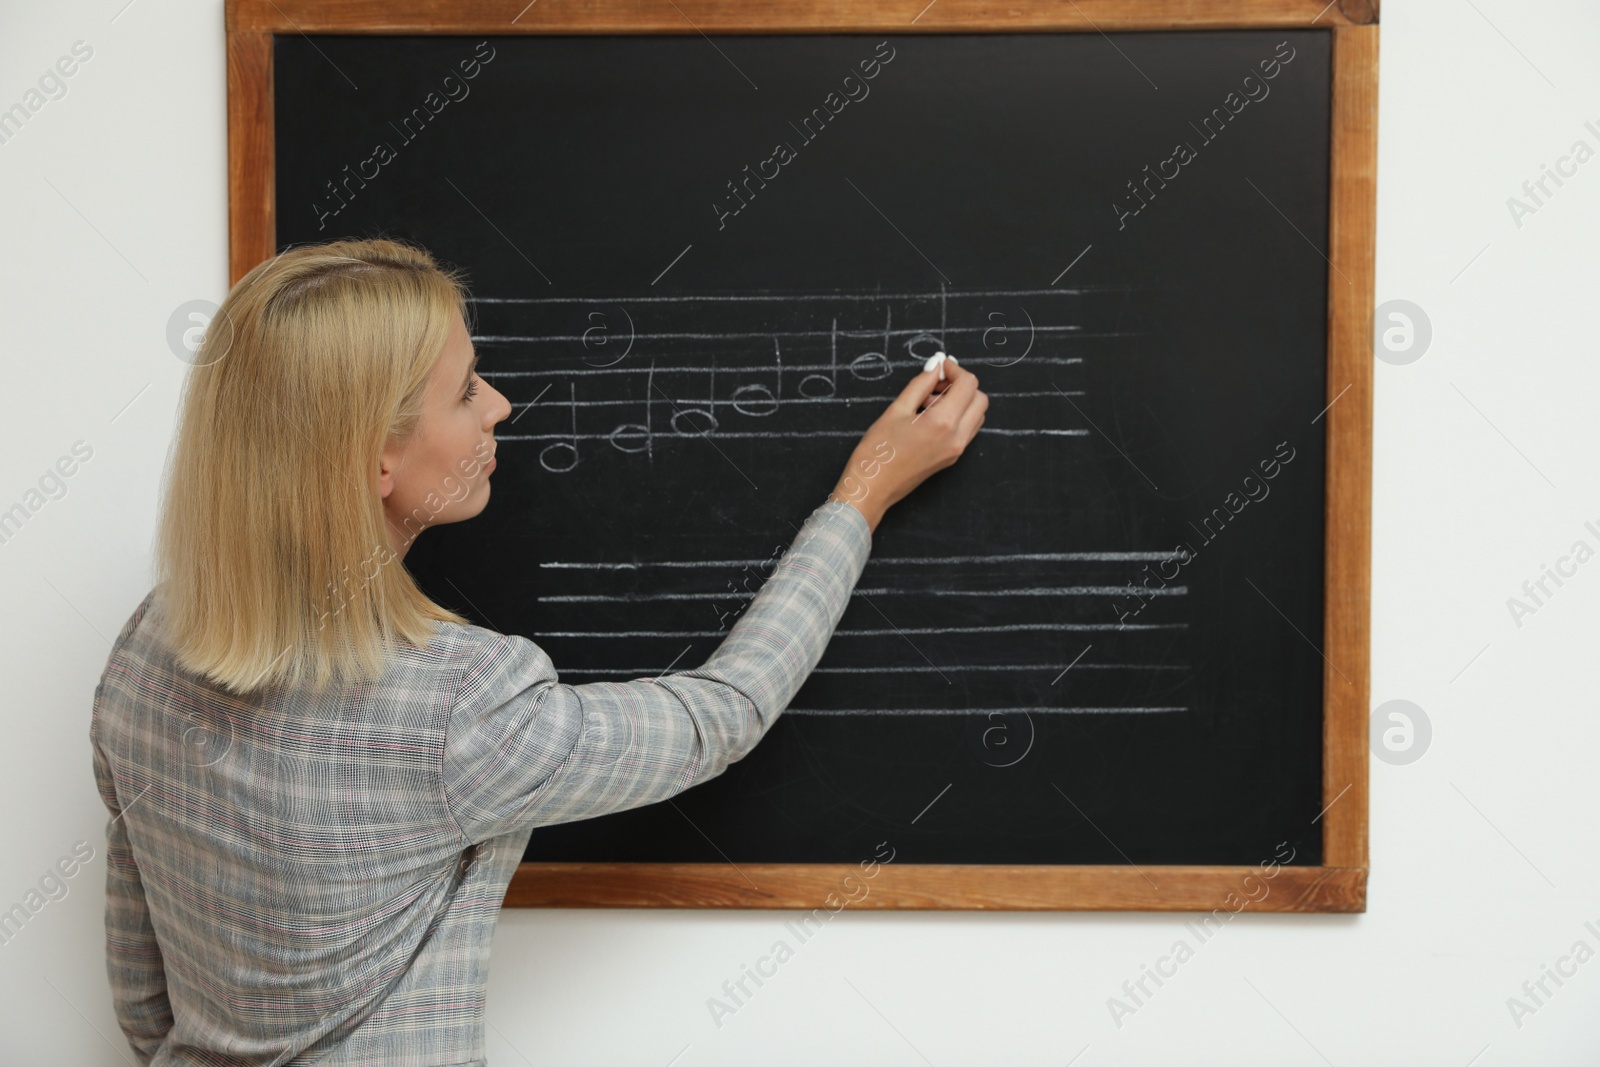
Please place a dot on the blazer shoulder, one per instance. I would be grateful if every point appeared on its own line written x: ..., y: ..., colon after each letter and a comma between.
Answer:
x: 129, y: 635
x: 493, y: 665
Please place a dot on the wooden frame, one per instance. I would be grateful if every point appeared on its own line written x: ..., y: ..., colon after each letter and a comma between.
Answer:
x: 1337, y: 886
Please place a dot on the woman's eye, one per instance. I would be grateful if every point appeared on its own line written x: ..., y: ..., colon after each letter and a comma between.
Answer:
x: 472, y: 389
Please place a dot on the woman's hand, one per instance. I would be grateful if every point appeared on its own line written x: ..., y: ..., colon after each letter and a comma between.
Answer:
x: 926, y: 429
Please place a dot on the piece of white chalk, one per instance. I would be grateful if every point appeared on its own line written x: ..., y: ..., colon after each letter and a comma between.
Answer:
x: 936, y: 361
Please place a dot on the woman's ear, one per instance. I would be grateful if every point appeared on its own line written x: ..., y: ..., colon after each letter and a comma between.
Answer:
x: 388, y: 464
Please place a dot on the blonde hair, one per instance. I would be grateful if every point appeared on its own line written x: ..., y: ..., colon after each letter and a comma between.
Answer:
x: 273, y: 558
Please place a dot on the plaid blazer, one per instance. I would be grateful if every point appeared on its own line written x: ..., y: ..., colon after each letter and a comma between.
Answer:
x: 293, y: 878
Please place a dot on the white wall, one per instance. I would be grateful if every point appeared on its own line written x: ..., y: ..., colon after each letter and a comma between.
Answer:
x: 1483, y: 851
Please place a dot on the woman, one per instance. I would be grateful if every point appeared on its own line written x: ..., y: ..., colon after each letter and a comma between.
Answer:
x: 320, y: 781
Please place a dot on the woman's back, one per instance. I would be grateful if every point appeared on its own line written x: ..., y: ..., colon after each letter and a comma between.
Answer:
x: 298, y: 858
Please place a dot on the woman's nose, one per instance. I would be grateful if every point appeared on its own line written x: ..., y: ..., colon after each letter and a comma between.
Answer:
x: 501, y: 411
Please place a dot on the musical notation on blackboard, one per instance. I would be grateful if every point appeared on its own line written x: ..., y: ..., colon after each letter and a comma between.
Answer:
x: 779, y: 367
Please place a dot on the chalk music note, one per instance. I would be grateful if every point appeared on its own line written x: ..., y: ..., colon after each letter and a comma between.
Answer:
x: 627, y: 435
x: 933, y: 343
x: 553, y: 465
x: 759, y: 391
x: 930, y: 343
x: 709, y: 411
x: 867, y: 361
x: 831, y: 379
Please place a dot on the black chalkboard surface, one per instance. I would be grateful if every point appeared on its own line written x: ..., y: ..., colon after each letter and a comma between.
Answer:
x: 702, y: 266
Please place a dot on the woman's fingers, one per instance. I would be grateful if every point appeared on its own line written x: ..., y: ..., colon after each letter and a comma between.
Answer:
x: 916, y: 392
x: 926, y: 388
x: 972, y: 418
x: 958, y: 393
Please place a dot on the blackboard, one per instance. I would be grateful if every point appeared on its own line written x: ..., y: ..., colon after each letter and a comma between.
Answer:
x: 695, y: 326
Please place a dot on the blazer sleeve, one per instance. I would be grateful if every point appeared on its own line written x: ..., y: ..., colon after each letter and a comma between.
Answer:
x: 133, y: 957
x: 522, y: 749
